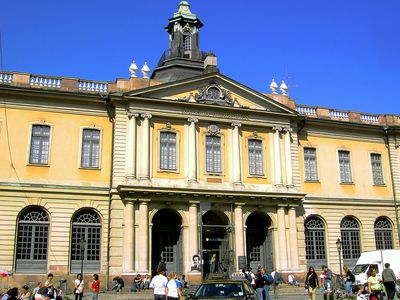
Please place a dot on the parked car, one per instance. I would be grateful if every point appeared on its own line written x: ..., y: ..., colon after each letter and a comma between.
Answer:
x: 225, y: 289
x: 376, y: 259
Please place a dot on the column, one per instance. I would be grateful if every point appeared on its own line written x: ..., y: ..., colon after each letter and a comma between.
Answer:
x: 282, y: 238
x: 277, y: 156
x: 129, y: 241
x: 288, y: 156
x: 294, y: 252
x: 193, y: 229
x: 143, y: 239
x: 192, y: 172
x: 236, y: 157
x: 239, y: 245
x: 145, y: 163
x: 131, y: 147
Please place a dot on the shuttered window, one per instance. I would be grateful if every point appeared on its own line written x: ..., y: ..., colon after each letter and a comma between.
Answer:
x: 167, y: 151
x: 90, y: 148
x: 40, y: 143
x: 376, y: 164
x: 213, y: 154
x: 310, y: 164
x: 255, y: 157
x: 344, y: 166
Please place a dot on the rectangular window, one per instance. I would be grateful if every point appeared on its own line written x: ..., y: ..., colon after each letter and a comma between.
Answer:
x: 255, y: 157
x: 167, y: 151
x: 377, y: 173
x: 40, y: 142
x: 213, y: 154
x: 344, y: 165
x: 310, y: 164
x: 90, y: 148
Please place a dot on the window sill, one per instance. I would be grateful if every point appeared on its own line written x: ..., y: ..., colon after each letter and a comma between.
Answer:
x: 379, y: 185
x: 214, y: 174
x: 257, y: 176
x: 90, y: 169
x: 168, y: 171
x: 39, y: 165
x: 347, y: 183
x: 312, y: 181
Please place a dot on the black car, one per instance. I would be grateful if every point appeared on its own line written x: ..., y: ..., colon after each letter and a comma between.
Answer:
x: 225, y: 289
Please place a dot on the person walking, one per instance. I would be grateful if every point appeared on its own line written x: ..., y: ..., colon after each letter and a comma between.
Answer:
x: 311, y: 283
x: 172, y: 291
x: 326, y: 277
x: 159, y: 284
x: 78, y: 284
x: 95, y: 287
x: 389, y: 281
x: 277, y: 280
x: 350, y: 279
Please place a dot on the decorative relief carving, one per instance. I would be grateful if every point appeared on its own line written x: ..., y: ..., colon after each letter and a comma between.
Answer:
x: 213, y: 129
x: 214, y: 93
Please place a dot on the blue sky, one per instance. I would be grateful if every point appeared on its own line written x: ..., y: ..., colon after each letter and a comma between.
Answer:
x: 343, y: 54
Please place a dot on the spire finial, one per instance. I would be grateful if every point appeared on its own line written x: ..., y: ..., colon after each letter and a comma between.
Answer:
x: 273, y: 87
x: 184, y: 7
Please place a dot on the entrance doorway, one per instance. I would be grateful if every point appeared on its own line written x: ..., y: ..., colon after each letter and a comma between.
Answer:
x: 259, y: 241
x: 167, y: 240
x: 216, y: 244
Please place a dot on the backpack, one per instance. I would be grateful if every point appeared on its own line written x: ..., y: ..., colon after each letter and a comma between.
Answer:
x: 268, y: 279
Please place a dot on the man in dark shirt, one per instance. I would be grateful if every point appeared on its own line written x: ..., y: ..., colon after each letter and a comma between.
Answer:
x: 389, y: 279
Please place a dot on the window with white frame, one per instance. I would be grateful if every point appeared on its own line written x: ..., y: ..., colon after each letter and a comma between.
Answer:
x: 315, y: 241
x: 40, y: 144
x: 310, y: 164
x: 376, y: 164
x: 187, y: 41
x: 344, y: 166
x: 255, y: 157
x: 167, y: 150
x: 350, y: 235
x: 213, y: 154
x: 90, y: 148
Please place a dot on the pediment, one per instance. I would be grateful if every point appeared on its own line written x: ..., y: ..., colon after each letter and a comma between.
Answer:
x: 212, y: 89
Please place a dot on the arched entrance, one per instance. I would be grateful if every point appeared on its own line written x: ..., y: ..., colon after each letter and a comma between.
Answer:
x: 259, y: 241
x: 216, y: 243
x: 167, y: 240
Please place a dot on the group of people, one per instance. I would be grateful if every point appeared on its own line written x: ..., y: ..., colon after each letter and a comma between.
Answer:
x: 167, y: 287
x: 375, y: 284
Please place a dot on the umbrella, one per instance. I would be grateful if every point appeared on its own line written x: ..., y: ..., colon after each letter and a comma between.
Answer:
x: 5, y: 273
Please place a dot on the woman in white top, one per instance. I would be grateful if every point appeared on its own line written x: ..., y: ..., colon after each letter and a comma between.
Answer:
x: 173, y: 291
x: 78, y: 287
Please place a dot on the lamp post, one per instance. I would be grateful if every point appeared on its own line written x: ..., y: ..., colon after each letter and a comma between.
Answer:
x: 339, y: 249
x: 82, y: 244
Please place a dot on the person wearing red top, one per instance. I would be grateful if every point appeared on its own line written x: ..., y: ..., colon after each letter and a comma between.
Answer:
x: 95, y: 287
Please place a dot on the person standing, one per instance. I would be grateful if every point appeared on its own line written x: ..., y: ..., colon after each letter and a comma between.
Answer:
x: 213, y: 263
x: 259, y: 285
x: 277, y: 280
x: 350, y: 279
x: 311, y: 283
x: 374, y: 284
x: 389, y: 281
x: 267, y: 281
x: 78, y: 284
x: 159, y: 284
x: 326, y: 276
x: 95, y: 287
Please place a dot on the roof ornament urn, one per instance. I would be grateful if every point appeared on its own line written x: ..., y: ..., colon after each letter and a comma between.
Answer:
x: 284, y: 88
x: 273, y: 87
x: 145, y: 70
x: 133, y: 69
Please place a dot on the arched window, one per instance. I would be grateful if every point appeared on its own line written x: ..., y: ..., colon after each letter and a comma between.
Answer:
x: 187, y: 41
x: 315, y: 241
x: 33, y: 236
x: 86, y: 226
x: 383, y: 234
x: 350, y: 234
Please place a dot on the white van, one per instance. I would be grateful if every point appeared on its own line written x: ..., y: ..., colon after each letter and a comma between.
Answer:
x: 377, y: 259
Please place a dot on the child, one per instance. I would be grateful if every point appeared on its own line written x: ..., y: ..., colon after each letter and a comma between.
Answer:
x: 95, y: 287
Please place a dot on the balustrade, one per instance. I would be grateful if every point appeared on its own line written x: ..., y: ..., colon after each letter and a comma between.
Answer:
x: 343, y: 115
x: 41, y: 81
x: 369, y: 119
x: 6, y: 78
x: 92, y: 86
x: 305, y: 110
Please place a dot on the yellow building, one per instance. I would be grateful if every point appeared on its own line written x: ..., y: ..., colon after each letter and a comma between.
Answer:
x: 188, y: 163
